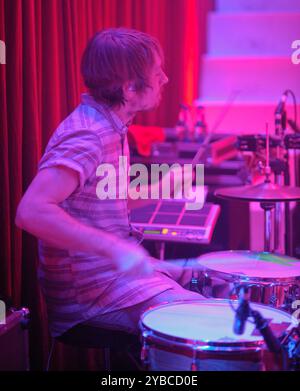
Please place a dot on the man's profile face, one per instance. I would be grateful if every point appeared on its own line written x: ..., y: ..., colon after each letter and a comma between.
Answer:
x: 151, y: 96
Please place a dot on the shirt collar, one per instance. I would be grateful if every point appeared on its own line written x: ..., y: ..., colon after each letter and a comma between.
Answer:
x: 106, y: 111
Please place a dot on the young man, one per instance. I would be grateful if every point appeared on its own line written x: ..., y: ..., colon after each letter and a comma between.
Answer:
x: 90, y: 269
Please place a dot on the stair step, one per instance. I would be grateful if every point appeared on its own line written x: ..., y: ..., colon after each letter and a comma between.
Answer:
x: 243, y: 117
x: 251, y: 78
x: 252, y: 34
x: 257, y: 5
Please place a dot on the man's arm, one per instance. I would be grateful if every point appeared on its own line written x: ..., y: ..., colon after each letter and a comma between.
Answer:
x: 39, y: 213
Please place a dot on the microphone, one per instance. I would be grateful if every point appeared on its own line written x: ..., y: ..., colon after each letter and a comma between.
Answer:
x: 280, y: 115
x: 243, y: 311
x: 281, y: 105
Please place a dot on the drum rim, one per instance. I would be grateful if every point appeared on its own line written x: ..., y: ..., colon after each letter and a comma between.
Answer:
x: 235, y: 277
x: 201, y: 344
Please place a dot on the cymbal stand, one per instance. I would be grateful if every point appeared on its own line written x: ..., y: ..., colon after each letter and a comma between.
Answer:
x: 280, y: 128
x: 267, y: 206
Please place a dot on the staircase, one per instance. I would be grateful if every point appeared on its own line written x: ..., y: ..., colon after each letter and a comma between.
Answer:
x: 248, y: 63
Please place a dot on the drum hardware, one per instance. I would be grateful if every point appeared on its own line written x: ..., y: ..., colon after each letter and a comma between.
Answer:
x: 196, y: 282
x: 194, y: 358
x: 280, y: 128
x: 201, y: 283
x: 271, y: 341
x: 282, y: 175
x: 268, y: 207
x: 291, y: 343
x: 281, y: 143
x: 145, y: 350
x: 291, y: 295
x: 267, y: 224
x: 273, y: 301
x: 267, y: 194
x: 292, y: 141
x: 257, y: 143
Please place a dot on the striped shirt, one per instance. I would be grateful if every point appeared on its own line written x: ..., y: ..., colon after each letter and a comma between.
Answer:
x: 78, y: 286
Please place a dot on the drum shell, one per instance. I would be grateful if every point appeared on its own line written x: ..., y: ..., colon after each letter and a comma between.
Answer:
x: 279, y: 294
x: 273, y: 279
x: 165, y: 356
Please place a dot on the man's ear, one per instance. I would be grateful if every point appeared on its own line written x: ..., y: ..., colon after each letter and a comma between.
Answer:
x: 131, y: 87
x: 128, y: 89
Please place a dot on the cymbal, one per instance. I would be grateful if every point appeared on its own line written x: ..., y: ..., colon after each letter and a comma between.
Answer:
x: 251, y: 264
x: 263, y: 192
x: 244, y: 263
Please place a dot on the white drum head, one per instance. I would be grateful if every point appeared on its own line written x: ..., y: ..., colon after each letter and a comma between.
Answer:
x: 260, y: 265
x: 210, y: 321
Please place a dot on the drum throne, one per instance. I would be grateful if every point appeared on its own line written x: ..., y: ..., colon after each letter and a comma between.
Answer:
x: 109, y: 341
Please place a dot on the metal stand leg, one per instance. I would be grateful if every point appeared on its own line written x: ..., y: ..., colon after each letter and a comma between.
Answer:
x: 267, y: 207
x: 160, y: 248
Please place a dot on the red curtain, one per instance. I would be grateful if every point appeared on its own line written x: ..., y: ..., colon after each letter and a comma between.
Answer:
x: 41, y: 84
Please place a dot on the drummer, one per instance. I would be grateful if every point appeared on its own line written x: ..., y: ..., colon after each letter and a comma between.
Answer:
x: 91, y: 269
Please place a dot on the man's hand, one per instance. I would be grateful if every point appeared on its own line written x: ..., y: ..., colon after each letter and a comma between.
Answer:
x: 131, y: 259
x: 175, y: 270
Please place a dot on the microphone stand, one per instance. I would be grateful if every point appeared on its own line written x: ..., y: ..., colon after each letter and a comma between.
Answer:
x: 262, y: 325
x: 273, y: 344
x: 280, y: 127
x: 286, y: 347
x: 282, y: 170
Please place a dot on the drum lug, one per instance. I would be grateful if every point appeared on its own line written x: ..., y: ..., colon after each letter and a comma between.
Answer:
x: 193, y: 367
x: 234, y: 294
x: 203, y: 285
x: 291, y: 295
x: 145, y: 350
x: 273, y: 301
x: 295, y: 292
x: 195, y: 282
x: 194, y: 363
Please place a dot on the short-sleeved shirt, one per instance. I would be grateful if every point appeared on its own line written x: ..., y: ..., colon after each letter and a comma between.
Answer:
x: 78, y: 286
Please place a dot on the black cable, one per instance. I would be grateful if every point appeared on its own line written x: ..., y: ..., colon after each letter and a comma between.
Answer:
x: 294, y: 101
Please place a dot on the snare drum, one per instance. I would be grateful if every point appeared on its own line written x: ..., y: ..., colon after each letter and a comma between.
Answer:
x: 273, y: 279
x: 198, y: 335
